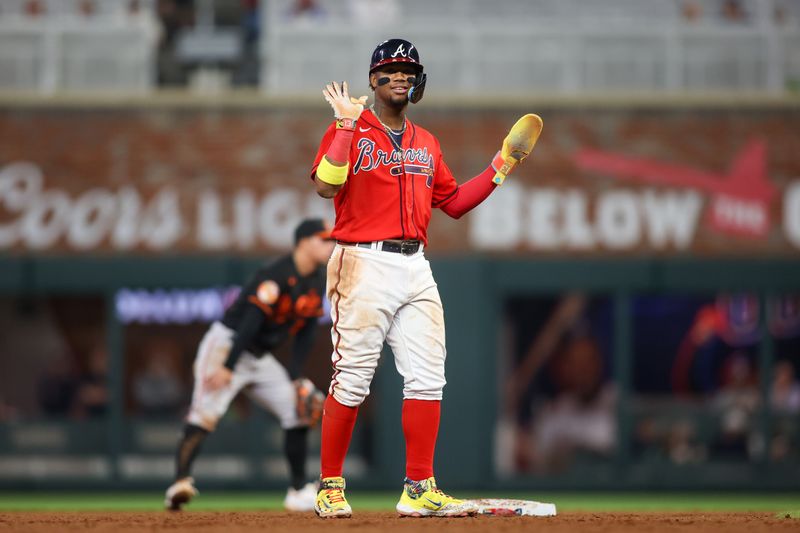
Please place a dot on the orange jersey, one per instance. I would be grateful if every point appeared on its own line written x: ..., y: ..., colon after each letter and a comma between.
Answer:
x: 389, y: 192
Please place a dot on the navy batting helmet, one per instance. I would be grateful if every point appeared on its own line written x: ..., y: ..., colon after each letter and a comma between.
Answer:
x: 395, y: 51
x: 401, y: 51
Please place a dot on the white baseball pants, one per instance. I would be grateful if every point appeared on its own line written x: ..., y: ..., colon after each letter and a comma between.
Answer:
x: 377, y: 296
x: 264, y: 380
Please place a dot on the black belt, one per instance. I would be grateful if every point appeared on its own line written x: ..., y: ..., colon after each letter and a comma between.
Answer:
x: 394, y: 246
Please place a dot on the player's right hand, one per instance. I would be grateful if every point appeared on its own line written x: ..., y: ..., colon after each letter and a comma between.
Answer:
x: 219, y: 379
x: 343, y: 105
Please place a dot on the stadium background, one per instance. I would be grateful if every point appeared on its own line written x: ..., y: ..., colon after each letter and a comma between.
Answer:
x: 623, y: 314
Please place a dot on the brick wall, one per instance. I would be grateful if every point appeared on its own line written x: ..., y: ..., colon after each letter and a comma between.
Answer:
x: 263, y: 154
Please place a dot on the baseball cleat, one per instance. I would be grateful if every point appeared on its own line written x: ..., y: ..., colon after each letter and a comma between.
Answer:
x: 301, y: 500
x: 423, y: 498
x: 180, y: 493
x: 331, y: 502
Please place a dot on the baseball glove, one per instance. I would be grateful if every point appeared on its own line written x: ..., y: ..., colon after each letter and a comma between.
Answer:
x: 309, y: 401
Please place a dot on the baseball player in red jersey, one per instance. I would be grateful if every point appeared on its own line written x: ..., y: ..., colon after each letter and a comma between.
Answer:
x: 385, y: 173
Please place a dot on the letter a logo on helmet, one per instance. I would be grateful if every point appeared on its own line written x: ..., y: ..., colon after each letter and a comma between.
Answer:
x: 400, y: 51
x: 395, y: 51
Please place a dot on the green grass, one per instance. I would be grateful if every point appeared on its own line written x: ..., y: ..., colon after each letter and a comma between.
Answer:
x: 384, y: 501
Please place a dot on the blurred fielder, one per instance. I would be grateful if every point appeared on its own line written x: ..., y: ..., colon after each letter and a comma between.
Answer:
x: 385, y: 174
x: 281, y: 300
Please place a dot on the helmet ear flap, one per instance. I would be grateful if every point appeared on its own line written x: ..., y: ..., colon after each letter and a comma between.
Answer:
x: 418, y: 89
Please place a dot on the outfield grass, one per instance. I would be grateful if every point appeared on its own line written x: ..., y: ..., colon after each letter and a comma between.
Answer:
x: 781, y: 503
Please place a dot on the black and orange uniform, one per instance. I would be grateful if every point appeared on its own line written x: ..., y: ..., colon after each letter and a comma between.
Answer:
x: 274, y: 304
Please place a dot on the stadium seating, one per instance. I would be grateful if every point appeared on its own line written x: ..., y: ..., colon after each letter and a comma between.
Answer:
x: 567, y: 46
x: 63, y: 45
x: 468, y: 46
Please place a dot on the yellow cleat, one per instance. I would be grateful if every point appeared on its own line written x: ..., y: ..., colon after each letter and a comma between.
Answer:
x: 423, y: 498
x: 331, y: 502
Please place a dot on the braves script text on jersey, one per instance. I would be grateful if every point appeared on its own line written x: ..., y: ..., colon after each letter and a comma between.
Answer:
x: 389, y: 193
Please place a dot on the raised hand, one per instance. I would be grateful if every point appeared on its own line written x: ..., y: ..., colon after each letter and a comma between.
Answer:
x: 344, y: 106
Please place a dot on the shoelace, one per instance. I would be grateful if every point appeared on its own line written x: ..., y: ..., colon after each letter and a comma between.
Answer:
x: 419, y: 487
x: 441, y: 493
x: 334, y: 495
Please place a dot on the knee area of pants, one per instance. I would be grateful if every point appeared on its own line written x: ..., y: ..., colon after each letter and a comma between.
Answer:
x: 347, y: 398
x: 203, y: 420
x: 292, y: 422
x: 422, y: 395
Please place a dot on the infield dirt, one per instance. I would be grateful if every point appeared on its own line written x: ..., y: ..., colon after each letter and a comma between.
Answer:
x: 208, y: 522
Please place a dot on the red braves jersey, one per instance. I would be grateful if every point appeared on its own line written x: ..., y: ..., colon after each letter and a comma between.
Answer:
x: 389, y: 193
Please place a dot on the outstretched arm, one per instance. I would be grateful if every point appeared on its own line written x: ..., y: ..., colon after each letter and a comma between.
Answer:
x: 516, y: 147
x: 470, y: 194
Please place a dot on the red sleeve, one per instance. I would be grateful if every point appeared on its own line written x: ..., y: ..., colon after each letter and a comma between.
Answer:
x: 323, y: 147
x: 470, y: 194
x: 444, y: 184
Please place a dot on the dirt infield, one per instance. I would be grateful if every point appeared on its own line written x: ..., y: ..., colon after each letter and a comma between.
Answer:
x: 197, y: 522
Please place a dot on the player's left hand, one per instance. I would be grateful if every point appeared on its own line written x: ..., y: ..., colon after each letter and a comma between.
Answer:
x: 219, y: 379
x: 516, y: 146
x: 309, y: 401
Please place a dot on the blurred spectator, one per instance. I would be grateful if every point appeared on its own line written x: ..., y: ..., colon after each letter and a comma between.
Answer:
x: 785, y: 401
x: 156, y: 387
x: 34, y: 8
x: 57, y: 387
x: 87, y: 8
x: 251, y: 21
x: 733, y: 12
x: 146, y: 20
x: 730, y: 323
x: 249, y: 68
x: 561, y: 413
x: 581, y: 417
x: 374, y: 12
x: 175, y: 16
x: 682, y: 444
x: 691, y: 11
x: 783, y: 16
x: 663, y: 436
x: 784, y: 316
x: 785, y: 392
x: 91, y: 399
x: 306, y: 12
x: 736, y: 402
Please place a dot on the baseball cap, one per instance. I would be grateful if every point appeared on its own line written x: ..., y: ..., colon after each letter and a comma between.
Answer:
x: 310, y: 227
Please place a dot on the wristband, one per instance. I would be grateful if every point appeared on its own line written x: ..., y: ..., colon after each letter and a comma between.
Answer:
x: 346, y: 124
x: 339, y: 150
x: 498, y: 161
x: 330, y: 173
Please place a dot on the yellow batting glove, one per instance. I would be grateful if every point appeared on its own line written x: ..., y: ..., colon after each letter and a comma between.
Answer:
x: 516, y: 146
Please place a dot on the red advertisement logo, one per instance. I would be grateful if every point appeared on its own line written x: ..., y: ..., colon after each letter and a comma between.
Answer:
x: 739, y: 199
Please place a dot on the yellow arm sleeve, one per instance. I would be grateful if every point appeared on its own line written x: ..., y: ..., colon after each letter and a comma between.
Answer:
x: 330, y: 173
